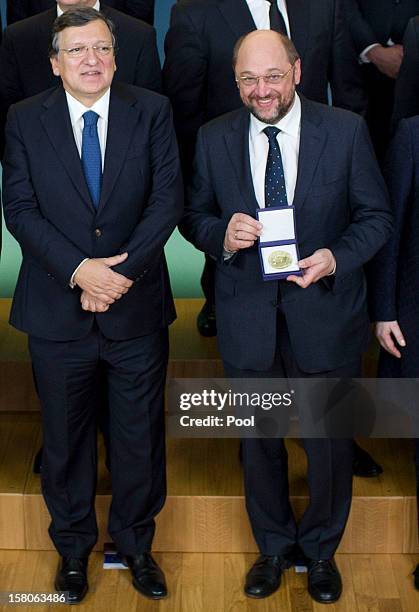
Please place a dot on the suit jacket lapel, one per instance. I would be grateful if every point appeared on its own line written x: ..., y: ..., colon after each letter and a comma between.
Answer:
x: 123, y: 117
x: 238, y: 16
x: 237, y: 143
x: 299, y: 18
x: 57, y: 124
x: 312, y: 142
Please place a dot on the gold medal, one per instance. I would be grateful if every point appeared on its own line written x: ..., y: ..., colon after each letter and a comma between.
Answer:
x: 280, y: 259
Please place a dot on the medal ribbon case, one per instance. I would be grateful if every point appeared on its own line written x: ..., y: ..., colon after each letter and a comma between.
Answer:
x: 278, y: 248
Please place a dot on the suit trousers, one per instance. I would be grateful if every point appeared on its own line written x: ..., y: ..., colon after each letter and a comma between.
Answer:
x: 265, y: 467
x: 66, y: 374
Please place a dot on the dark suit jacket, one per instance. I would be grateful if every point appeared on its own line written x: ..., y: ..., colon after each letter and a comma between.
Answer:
x: 375, y: 21
x: 197, y: 73
x: 21, y: 9
x: 48, y: 209
x: 394, y: 272
x: 406, y: 95
x: 25, y: 69
x: 341, y: 203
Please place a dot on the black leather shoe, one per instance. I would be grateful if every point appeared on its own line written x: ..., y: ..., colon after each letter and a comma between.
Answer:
x: 324, y: 581
x: 206, y: 322
x: 264, y: 577
x: 416, y: 575
x: 72, y: 578
x: 37, y: 462
x: 364, y: 465
x: 147, y: 577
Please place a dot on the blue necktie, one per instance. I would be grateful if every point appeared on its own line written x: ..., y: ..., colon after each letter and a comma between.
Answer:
x: 91, y: 157
x: 275, y: 192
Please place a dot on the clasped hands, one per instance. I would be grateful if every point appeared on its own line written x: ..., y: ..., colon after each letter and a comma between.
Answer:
x: 242, y: 232
x: 101, y: 286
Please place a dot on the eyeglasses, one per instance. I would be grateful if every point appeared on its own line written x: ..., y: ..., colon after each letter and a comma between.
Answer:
x: 274, y: 78
x: 82, y: 51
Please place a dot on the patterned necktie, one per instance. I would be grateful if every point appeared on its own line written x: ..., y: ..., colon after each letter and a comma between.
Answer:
x: 276, y: 19
x: 275, y: 192
x: 91, y: 157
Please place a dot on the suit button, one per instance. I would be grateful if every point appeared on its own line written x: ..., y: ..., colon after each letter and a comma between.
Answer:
x: 98, y: 232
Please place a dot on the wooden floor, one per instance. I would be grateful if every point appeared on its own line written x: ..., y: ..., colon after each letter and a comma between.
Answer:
x: 214, y: 583
x: 205, y: 492
x: 200, y: 466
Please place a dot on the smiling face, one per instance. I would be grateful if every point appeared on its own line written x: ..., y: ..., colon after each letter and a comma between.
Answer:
x: 86, y: 78
x: 263, y: 53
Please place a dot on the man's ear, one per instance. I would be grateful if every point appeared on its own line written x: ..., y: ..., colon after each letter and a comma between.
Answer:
x: 54, y: 65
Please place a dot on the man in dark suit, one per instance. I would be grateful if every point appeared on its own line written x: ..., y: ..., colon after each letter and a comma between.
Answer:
x: 92, y: 192
x: 406, y: 95
x: 312, y: 325
x: 24, y: 65
x: 199, y: 81
x: 21, y: 9
x: 377, y: 28
x: 25, y: 71
x: 394, y: 274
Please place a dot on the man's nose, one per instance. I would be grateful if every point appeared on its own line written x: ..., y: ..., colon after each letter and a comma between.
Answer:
x: 90, y: 57
x: 262, y: 88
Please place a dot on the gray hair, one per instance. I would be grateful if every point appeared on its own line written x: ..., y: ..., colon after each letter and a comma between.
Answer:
x: 76, y: 18
x: 290, y: 50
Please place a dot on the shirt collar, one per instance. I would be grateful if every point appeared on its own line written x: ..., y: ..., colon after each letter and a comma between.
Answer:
x: 77, y: 109
x: 60, y: 12
x: 290, y: 124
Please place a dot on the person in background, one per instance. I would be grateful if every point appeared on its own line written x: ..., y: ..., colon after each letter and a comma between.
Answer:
x: 394, y: 274
x: 377, y: 28
x: 21, y: 9
x: 406, y: 95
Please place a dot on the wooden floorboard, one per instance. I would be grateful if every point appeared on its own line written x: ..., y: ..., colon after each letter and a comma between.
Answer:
x: 205, y: 492
x: 214, y: 583
x: 201, y: 466
x: 197, y: 467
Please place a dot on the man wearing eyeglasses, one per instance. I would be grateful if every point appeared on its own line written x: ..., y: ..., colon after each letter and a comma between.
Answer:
x: 199, y: 81
x: 24, y: 65
x: 319, y: 160
x: 92, y: 191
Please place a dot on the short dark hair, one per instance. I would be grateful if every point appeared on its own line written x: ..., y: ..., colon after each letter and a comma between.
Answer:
x: 76, y: 18
x: 291, y: 51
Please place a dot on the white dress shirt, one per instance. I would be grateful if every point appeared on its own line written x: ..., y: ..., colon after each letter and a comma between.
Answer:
x: 60, y: 12
x: 289, y: 144
x: 77, y: 110
x: 260, y: 13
